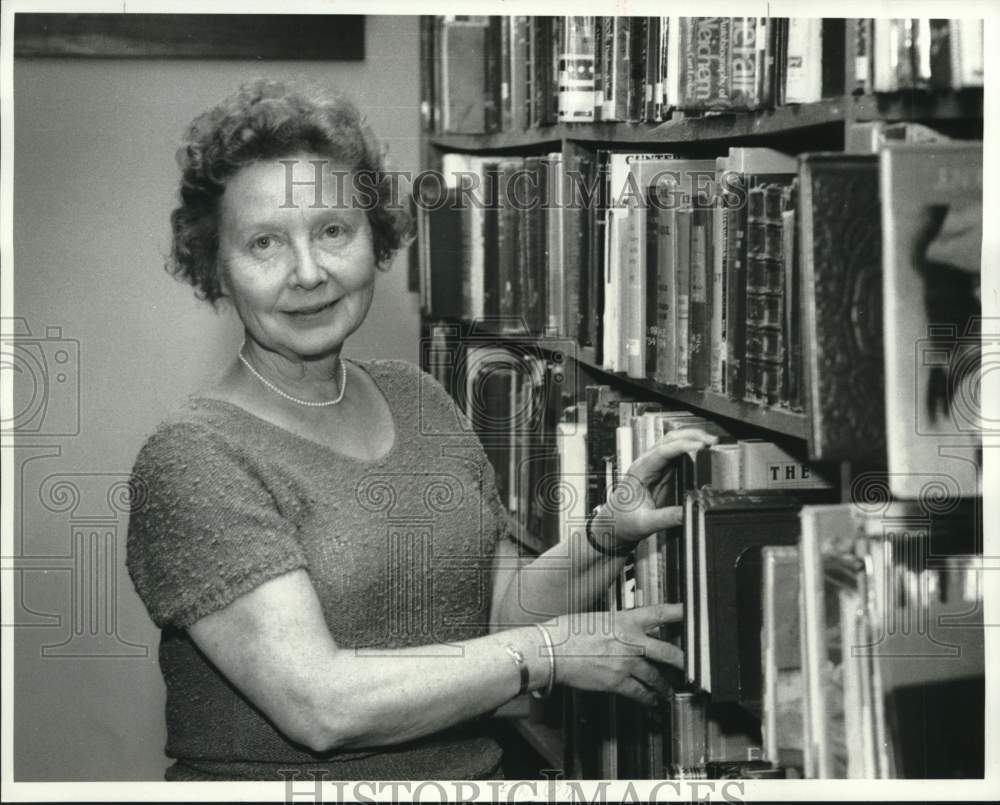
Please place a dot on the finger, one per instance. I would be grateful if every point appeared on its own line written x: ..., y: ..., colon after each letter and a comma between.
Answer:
x: 689, y: 433
x: 650, y: 676
x: 650, y: 465
x: 664, y: 653
x: 659, y: 519
x: 633, y: 689
x: 655, y: 614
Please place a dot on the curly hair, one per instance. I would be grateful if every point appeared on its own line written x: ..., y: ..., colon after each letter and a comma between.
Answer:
x: 266, y: 119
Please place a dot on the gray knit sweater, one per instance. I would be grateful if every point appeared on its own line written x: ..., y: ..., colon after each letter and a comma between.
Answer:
x: 398, y: 549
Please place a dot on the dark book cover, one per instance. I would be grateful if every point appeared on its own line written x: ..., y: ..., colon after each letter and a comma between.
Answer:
x: 792, y: 332
x: 637, y: 68
x: 519, y: 65
x: 737, y: 525
x: 509, y: 247
x: 530, y: 51
x: 448, y: 260
x: 493, y: 177
x: 842, y: 305
x: 506, y: 75
x: 834, y: 55
x: 492, y: 74
x: 652, y: 98
x: 532, y: 188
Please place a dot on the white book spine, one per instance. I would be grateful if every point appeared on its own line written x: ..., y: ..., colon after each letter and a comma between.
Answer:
x: 803, y: 83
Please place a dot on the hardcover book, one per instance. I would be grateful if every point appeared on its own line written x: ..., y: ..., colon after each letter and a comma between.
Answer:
x: 842, y: 301
x: 932, y: 237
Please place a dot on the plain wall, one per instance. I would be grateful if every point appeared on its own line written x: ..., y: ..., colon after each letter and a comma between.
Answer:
x: 95, y: 181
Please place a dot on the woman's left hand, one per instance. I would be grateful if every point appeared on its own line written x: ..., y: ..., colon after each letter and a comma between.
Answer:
x: 631, y: 513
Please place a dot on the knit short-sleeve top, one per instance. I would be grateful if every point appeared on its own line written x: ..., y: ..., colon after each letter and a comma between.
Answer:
x: 399, y: 550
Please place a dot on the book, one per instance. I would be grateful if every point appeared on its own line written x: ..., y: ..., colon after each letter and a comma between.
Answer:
x: 463, y: 74
x: 747, y: 168
x: 765, y: 465
x: 782, y: 723
x: 661, y: 224
x: 932, y: 236
x: 842, y: 305
x: 576, y: 71
x: 700, y: 295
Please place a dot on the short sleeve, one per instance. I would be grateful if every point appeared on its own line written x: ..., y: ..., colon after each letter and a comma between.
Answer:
x: 203, y: 529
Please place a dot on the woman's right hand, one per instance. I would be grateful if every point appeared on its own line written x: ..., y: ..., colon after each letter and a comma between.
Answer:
x: 612, y: 651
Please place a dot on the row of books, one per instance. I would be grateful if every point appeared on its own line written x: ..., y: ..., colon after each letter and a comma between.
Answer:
x: 841, y: 285
x: 486, y: 74
x: 873, y: 660
x: 776, y: 576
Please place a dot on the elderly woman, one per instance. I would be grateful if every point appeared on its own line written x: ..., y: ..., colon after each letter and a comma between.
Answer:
x: 322, y: 543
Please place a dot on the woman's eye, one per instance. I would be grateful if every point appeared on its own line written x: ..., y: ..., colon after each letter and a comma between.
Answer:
x: 334, y: 231
x: 262, y: 242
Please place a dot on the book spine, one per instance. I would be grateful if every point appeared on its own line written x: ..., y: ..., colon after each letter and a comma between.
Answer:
x: 506, y: 63
x: 637, y: 68
x: 673, y: 64
x: 428, y: 73
x: 682, y: 269
x: 765, y: 292
x: 492, y: 75
x: 576, y: 71
x: 863, y: 56
x: 735, y: 214
x: 971, y: 55
x: 651, y: 105
x: 623, y: 68
x: 665, y: 217
x: 708, y: 83
x: 652, y: 297
x: 531, y: 53
x: 940, y: 54
x: 699, y: 352
x: 599, y: 68
x: 717, y: 341
x: 562, y: 286
x: 804, y: 70
x: 792, y: 335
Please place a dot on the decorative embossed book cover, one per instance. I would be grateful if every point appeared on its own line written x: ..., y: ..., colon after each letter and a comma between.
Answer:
x: 932, y: 219
x: 841, y: 254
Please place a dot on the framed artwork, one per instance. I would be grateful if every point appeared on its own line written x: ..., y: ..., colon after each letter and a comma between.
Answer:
x: 338, y: 37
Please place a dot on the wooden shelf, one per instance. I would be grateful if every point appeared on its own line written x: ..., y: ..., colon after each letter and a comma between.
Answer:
x: 681, y: 129
x: 776, y: 420
x: 919, y: 105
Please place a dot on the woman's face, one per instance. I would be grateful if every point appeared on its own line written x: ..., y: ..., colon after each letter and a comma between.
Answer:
x: 296, y: 261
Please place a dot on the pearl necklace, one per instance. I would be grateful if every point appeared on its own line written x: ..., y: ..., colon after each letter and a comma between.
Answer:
x: 276, y: 390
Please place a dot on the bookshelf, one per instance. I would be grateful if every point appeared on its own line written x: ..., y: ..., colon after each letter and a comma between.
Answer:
x: 823, y: 125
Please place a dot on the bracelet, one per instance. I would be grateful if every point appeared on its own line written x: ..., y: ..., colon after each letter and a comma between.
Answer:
x: 544, y: 694
x: 522, y: 666
x: 618, y: 551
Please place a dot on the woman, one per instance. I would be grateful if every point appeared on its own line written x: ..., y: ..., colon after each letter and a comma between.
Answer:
x: 322, y: 543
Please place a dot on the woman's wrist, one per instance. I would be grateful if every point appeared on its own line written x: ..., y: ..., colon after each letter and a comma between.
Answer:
x: 601, y: 537
x: 527, y: 652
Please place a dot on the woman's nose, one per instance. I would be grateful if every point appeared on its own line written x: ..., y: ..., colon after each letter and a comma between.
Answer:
x: 306, y: 271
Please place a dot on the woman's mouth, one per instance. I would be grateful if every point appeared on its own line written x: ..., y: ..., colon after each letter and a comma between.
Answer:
x: 313, y: 310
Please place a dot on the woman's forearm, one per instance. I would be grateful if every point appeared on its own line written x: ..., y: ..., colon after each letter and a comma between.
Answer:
x: 389, y: 697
